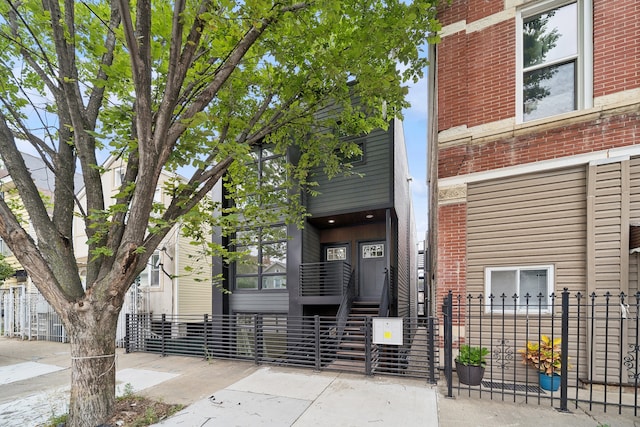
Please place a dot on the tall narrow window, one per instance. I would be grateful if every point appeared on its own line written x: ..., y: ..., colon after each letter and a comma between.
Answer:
x: 554, y: 52
x: 264, y: 264
x: 154, y: 270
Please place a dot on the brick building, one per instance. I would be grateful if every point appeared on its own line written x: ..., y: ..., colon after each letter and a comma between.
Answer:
x: 534, y: 154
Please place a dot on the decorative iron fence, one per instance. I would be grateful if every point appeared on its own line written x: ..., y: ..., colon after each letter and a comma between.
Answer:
x: 310, y: 341
x: 594, y: 351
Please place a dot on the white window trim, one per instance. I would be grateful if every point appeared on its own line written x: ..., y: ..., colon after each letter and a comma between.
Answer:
x: 151, y: 269
x: 584, y: 63
x: 522, y: 308
x: 118, y: 175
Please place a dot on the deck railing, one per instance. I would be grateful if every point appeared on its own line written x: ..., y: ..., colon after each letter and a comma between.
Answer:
x: 321, y: 279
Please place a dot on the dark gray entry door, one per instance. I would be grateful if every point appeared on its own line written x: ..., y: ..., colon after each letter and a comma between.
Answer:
x: 372, y: 260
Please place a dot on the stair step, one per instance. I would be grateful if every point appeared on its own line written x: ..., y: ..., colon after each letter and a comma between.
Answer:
x: 348, y: 365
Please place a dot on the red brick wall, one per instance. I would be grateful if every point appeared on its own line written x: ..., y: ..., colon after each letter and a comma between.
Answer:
x: 492, y: 74
x: 453, y: 11
x: 482, y: 8
x: 476, y: 71
x: 452, y: 255
x: 616, y: 46
x: 452, y: 81
x: 610, y: 132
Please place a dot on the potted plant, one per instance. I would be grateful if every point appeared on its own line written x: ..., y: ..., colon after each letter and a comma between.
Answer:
x: 470, y: 364
x: 545, y: 356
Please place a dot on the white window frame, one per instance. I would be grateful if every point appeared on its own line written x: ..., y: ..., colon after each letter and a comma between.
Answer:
x: 336, y: 253
x: 118, y: 177
x: 584, y: 61
x: 521, y: 303
x: 154, y: 268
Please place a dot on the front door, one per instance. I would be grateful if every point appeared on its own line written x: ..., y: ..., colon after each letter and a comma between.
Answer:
x: 372, y: 261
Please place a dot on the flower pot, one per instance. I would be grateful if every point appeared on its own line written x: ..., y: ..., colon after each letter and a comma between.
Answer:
x: 549, y: 382
x: 469, y: 374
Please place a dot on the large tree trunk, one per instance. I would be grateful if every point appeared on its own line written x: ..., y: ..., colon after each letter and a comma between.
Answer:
x: 93, y: 343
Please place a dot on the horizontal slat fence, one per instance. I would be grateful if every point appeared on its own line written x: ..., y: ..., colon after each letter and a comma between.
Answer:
x: 309, y: 341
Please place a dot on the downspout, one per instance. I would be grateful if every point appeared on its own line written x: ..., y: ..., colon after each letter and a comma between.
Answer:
x: 431, y: 265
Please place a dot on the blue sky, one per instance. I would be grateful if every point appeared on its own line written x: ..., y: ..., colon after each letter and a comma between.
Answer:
x: 415, y: 135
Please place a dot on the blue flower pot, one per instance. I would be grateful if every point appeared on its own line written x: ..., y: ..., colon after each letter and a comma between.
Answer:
x: 549, y: 382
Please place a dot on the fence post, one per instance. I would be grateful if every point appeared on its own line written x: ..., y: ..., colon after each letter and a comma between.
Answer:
x: 367, y: 345
x: 163, y: 319
x: 316, y: 336
x: 127, y: 325
x: 257, y: 342
x: 564, y: 351
x: 447, y: 311
x: 205, y: 343
x: 431, y: 351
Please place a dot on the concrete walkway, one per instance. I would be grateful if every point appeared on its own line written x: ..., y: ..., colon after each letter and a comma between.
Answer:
x: 34, y: 384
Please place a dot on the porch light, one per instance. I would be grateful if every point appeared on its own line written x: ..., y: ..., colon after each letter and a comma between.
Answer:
x: 369, y: 216
x: 331, y: 221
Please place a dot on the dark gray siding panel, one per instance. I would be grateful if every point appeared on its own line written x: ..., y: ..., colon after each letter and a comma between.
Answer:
x: 311, y: 243
x: 259, y: 302
x: 353, y: 193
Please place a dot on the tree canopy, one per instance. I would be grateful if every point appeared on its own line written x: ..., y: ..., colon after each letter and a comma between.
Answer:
x: 175, y: 86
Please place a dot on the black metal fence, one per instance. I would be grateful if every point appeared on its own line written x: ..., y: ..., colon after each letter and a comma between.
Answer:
x: 310, y: 341
x: 595, y: 357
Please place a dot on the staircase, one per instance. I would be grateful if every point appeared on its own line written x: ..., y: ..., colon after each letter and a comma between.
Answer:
x: 350, y: 353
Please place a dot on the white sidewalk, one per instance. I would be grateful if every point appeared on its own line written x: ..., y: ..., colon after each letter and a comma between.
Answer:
x: 271, y: 397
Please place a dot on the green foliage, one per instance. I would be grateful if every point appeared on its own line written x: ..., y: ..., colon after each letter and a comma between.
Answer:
x: 6, y: 270
x: 127, y: 393
x: 473, y: 356
x: 56, y: 420
x: 545, y: 356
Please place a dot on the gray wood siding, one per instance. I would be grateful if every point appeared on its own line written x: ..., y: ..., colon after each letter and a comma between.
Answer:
x: 259, y: 302
x: 532, y: 219
x: 354, y: 193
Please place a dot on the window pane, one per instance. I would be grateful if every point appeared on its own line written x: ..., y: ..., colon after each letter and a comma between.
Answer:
x: 249, y: 261
x: 503, y: 282
x: 550, y: 36
x: 549, y: 91
x: 250, y: 282
x: 534, y: 283
x: 273, y: 172
x: 274, y: 257
x: 274, y: 282
x: 272, y: 234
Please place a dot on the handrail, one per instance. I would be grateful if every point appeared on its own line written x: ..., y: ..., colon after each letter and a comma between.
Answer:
x: 348, y: 295
x: 383, y: 311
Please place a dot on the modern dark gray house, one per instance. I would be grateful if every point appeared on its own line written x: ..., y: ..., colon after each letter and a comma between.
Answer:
x: 357, y: 246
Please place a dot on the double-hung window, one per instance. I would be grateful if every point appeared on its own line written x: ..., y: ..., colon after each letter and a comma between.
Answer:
x: 554, y: 63
x: 519, y: 289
